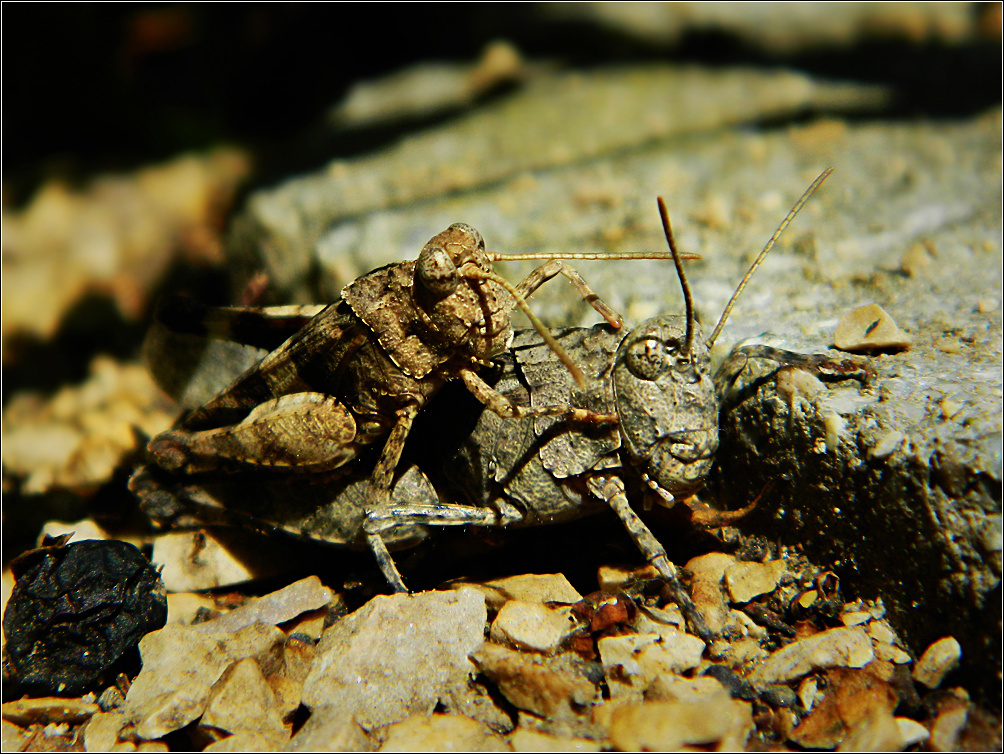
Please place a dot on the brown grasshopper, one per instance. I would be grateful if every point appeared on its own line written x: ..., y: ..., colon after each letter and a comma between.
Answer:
x: 363, y: 367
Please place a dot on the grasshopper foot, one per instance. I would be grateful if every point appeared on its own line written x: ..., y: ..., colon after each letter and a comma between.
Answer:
x: 386, y: 562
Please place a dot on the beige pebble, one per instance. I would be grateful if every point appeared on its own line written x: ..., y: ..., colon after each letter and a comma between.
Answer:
x: 938, y: 660
x: 915, y: 259
x: 793, y: 383
x: 855, y: 617
x: 669, y: 726
x: 532, y: 625
x: 747, y: 580
x: 241, y: 700
x: 532, y: 740
x: 441, y: 732
x: 614, y: 578
x: 887, y: 444
x: 182, y: 608
x: 891, y: 653
x: 846, y: 647
x: 947, y: 729
x: 677, y: 688
x: 949, y: 344
x: 633, y: 662
x: 711, y: 566
x: 869, y: 328
x: 282, y: 605
x: 545, y: 686
x: 102, y: 731
x: 986, y: 304
x: 48, y: 709
x: 736, y: 652
x: 180, y: 666
x: 527, y: 587
x: 706, y: 590
x: 395, y: 656
x: 80, y: 530
x: 881, y: 632
x: 191, y: 561
x: 912, y: 732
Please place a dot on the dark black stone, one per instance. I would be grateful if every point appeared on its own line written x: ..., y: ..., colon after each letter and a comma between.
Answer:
x: 779, y: 696
x: 739, y: 688
x: 76, y: 611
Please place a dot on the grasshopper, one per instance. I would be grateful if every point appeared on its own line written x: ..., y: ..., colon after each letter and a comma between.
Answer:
x: 361, y: 368
x: 542, y: 468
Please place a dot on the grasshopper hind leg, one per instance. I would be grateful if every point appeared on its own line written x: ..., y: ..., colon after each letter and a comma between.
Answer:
x: 611, y: 490
x: 414, y: 503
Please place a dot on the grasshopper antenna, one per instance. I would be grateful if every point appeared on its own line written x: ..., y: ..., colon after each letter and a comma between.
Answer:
x: 578, y: 255
x: 553, y: 344
x: 760, y: 257
x: 687, y: 298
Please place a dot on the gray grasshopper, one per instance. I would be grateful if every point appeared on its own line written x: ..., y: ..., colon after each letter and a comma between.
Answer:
x: 362, y: 368
x: 537, y: 468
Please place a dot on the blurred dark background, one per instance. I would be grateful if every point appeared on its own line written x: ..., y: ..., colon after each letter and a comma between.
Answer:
x: 91, y: 87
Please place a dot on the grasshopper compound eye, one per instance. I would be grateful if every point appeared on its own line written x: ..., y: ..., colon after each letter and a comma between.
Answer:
x: 436, y: 273
x: 649, y: 358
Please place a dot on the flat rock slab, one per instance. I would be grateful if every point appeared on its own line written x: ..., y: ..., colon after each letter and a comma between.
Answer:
x: 394, y: 657
x: 896, y: 483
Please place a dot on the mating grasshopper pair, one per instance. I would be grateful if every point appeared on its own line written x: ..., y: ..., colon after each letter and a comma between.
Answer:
x: 557, y: 443
x: 363, y: 367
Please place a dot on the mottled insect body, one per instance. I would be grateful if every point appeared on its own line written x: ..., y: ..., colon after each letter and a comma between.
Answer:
x: 363, y: 367
x: 534, y: 465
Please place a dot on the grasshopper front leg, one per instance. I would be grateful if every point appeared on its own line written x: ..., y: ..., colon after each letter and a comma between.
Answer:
x: 502, y: 406
x: 550, y: 269
x: 303, y: 432
x: 611, y: 490
x: 820, y: 364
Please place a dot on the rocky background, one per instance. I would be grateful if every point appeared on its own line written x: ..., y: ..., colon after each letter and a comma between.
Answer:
x: 284, y: 151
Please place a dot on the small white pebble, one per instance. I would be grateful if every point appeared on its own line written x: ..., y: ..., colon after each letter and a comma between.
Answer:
x: 887, y: 444
x: 869, y: 328
x: 938, y: 660
x: 913, y: 733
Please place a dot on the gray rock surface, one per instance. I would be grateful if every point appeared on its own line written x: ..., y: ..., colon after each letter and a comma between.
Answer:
x: 329, y: 220
x: 897, y: 483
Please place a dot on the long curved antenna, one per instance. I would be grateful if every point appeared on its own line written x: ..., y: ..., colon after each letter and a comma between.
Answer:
x: 756, y: 262
x: 687, y: 298
x: 495, y: 257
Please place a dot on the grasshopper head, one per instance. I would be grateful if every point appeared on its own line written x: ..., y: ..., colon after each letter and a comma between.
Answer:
x: 437, y: 274
x: 464, y: 307
x: 666, y: 402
